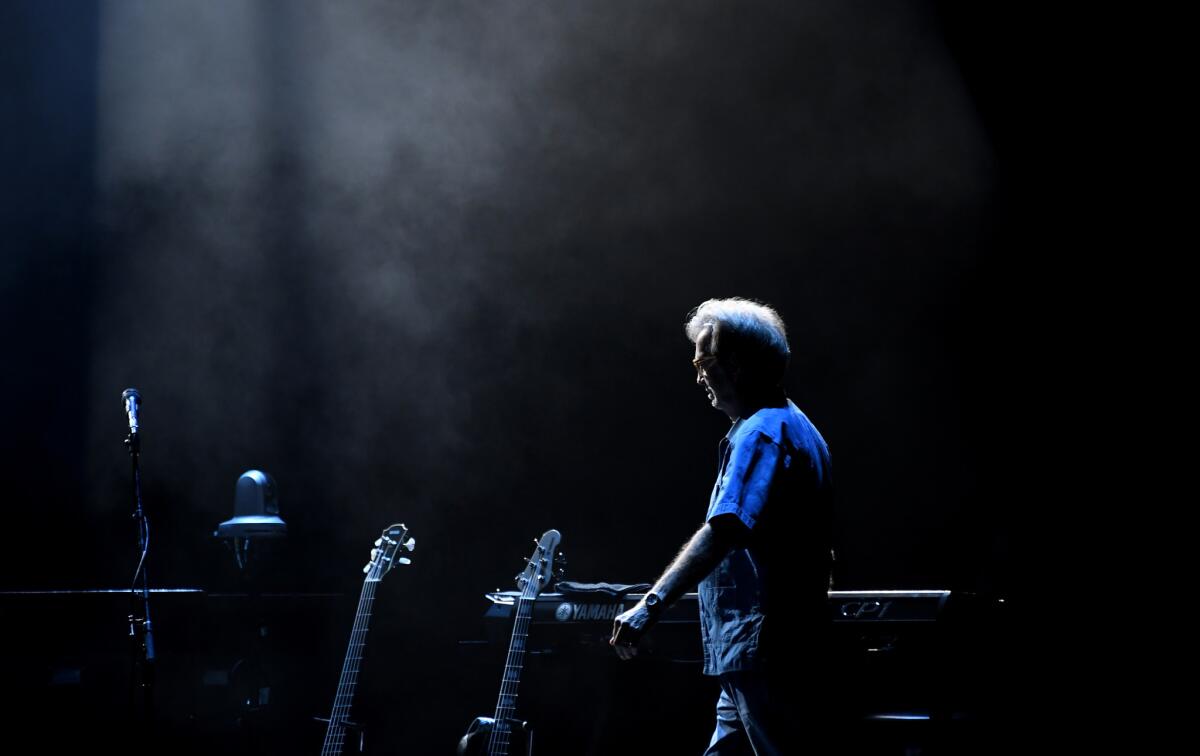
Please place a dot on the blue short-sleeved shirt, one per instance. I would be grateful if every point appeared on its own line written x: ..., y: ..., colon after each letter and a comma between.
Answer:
x: 774, y: 476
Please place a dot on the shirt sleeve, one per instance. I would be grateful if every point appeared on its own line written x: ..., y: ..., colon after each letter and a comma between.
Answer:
x: 744, y: 487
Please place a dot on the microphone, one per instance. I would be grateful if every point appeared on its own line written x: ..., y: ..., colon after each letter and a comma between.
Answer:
x: 132, y: 400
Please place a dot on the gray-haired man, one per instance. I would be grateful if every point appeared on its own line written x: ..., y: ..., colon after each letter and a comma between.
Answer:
x: 763, y: 550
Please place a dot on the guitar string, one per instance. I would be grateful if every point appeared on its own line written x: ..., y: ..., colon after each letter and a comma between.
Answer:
x: 500, y: 734
x: 336, y: 735
x: 508, y: 687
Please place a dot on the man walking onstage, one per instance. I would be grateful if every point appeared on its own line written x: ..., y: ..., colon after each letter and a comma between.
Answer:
x: 763, y: 551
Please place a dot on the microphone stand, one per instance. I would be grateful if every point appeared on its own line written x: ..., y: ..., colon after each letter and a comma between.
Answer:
x: 141, y: 633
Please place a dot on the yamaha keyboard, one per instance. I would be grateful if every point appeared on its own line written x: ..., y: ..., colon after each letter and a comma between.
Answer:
x: 844, y: 607
x: 873, y: 622
x: 891, y: 650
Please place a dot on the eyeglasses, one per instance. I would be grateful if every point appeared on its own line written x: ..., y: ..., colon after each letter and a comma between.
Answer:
x: 700, y: 362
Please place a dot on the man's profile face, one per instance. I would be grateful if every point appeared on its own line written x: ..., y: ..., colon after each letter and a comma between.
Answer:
x: 714, y: 377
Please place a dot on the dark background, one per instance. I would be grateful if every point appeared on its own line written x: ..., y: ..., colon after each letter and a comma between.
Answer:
x: 429, y: 262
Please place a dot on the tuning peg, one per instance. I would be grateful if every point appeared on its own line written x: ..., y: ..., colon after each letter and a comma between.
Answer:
x: 404, y: 560
x: 367, y: 567
x: 374, y: 553
x: 410, y: 544
x: 378, y: 541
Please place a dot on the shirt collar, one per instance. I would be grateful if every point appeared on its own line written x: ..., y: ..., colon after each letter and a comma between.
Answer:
x: 734, y: 429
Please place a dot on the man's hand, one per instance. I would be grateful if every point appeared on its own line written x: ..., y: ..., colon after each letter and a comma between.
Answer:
x: 628, y: 629
x: 706, y: 548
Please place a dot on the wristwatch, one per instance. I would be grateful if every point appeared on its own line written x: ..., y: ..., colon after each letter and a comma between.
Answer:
x: 654, y: 603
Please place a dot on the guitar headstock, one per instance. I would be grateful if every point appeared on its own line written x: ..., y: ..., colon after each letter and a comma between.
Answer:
x: 539, y: 569
x: 392, y: 541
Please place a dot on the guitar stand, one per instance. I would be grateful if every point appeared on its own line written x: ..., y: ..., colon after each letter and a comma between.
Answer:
x: 351, y: 726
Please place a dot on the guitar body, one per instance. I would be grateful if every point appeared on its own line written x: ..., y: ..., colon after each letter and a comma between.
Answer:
x: 479, y: 733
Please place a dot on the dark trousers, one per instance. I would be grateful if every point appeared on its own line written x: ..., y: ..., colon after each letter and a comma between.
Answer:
x: 765, y: 714
x: 745, y: 721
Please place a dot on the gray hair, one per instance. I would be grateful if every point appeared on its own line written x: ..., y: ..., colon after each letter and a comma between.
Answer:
x: 751, y: 330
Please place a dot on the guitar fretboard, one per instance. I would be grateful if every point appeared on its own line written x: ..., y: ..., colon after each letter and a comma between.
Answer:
x: 335, y: 735
x: 506, y: 705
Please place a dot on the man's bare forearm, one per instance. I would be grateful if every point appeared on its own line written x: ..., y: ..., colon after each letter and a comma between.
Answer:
x: 706, y: 548
x: 699, y: 556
